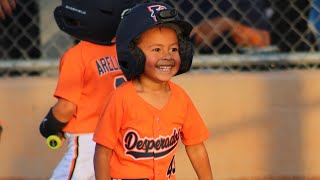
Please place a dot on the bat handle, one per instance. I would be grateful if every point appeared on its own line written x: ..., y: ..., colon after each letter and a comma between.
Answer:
x: 54, y: 142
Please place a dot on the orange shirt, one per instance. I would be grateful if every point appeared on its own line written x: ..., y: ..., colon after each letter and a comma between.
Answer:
x: 88, y: 73
x: 143, y: 138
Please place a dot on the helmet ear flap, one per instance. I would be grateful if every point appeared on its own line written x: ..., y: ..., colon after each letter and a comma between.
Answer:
x: 186, y: 52
x: 140, y: 61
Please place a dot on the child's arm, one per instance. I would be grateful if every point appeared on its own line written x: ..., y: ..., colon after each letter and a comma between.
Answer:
x: 57, y: 118
x: 101, y: 162
x: 64, y: 110
x: 200, y: 161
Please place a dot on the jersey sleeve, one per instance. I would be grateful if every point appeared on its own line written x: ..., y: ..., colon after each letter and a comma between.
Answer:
x: 194, y: 130
x: 108, y: 128
x: 70, y: 80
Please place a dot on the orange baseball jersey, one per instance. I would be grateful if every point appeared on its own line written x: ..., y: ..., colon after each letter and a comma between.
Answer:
x: 88, y: 73
x: 143, y: 138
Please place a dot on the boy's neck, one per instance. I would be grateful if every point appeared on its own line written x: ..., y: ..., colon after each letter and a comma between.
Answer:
x: 155, y: 93
x: 146, y: 85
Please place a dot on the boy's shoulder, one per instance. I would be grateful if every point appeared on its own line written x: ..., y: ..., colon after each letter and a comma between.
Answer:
x: 125, y: 88
x: 124, y: 91
x: 175, y: 87
x: 87, y: 46
x: 75, y: 49
x: 86, y: 50
x: 179, y: 92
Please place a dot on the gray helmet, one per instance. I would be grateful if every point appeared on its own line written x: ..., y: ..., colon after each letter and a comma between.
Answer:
x: 141, y: 18
x: 95, y: 21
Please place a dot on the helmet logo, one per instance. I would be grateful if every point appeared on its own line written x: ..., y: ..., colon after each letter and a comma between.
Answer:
x: 154, y: 9
x: 76, y: 10
x: 125, y: 12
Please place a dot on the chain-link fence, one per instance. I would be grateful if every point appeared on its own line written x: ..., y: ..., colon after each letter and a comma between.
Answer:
x: 236, y: 35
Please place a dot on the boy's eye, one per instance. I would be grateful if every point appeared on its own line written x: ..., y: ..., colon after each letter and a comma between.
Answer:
x: 174, y: 50
x: 156, y: 49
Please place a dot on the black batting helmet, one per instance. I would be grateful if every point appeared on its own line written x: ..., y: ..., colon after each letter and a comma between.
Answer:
x: 141, y: 18
x: 95, y: 21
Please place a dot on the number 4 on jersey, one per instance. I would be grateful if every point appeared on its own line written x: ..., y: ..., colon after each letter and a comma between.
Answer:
x: 118, y: 81
x: 171, y: 168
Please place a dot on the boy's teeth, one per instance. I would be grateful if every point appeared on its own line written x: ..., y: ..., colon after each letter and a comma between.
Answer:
x: 164, y: 68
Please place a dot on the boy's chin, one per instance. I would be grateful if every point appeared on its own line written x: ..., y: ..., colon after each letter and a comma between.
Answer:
x: 164, y: 78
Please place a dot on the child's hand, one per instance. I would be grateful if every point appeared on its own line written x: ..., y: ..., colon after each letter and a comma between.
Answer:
x: 56, y: 141
x: 62, y: 137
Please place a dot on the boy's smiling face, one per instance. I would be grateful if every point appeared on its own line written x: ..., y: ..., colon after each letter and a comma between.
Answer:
x: 161, y: 48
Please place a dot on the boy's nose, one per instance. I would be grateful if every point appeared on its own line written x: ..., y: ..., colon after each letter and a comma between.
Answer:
x: 167, y: 55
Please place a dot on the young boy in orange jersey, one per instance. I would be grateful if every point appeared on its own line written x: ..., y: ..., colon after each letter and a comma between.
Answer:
x: 88, y: 72
x: 143, y: 120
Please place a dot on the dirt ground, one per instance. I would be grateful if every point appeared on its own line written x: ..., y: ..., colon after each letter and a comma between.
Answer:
x: 263, y: 126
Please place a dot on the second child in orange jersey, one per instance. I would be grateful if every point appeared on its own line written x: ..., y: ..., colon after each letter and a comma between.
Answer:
x: 88, y: 72
x: 143, y: 120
